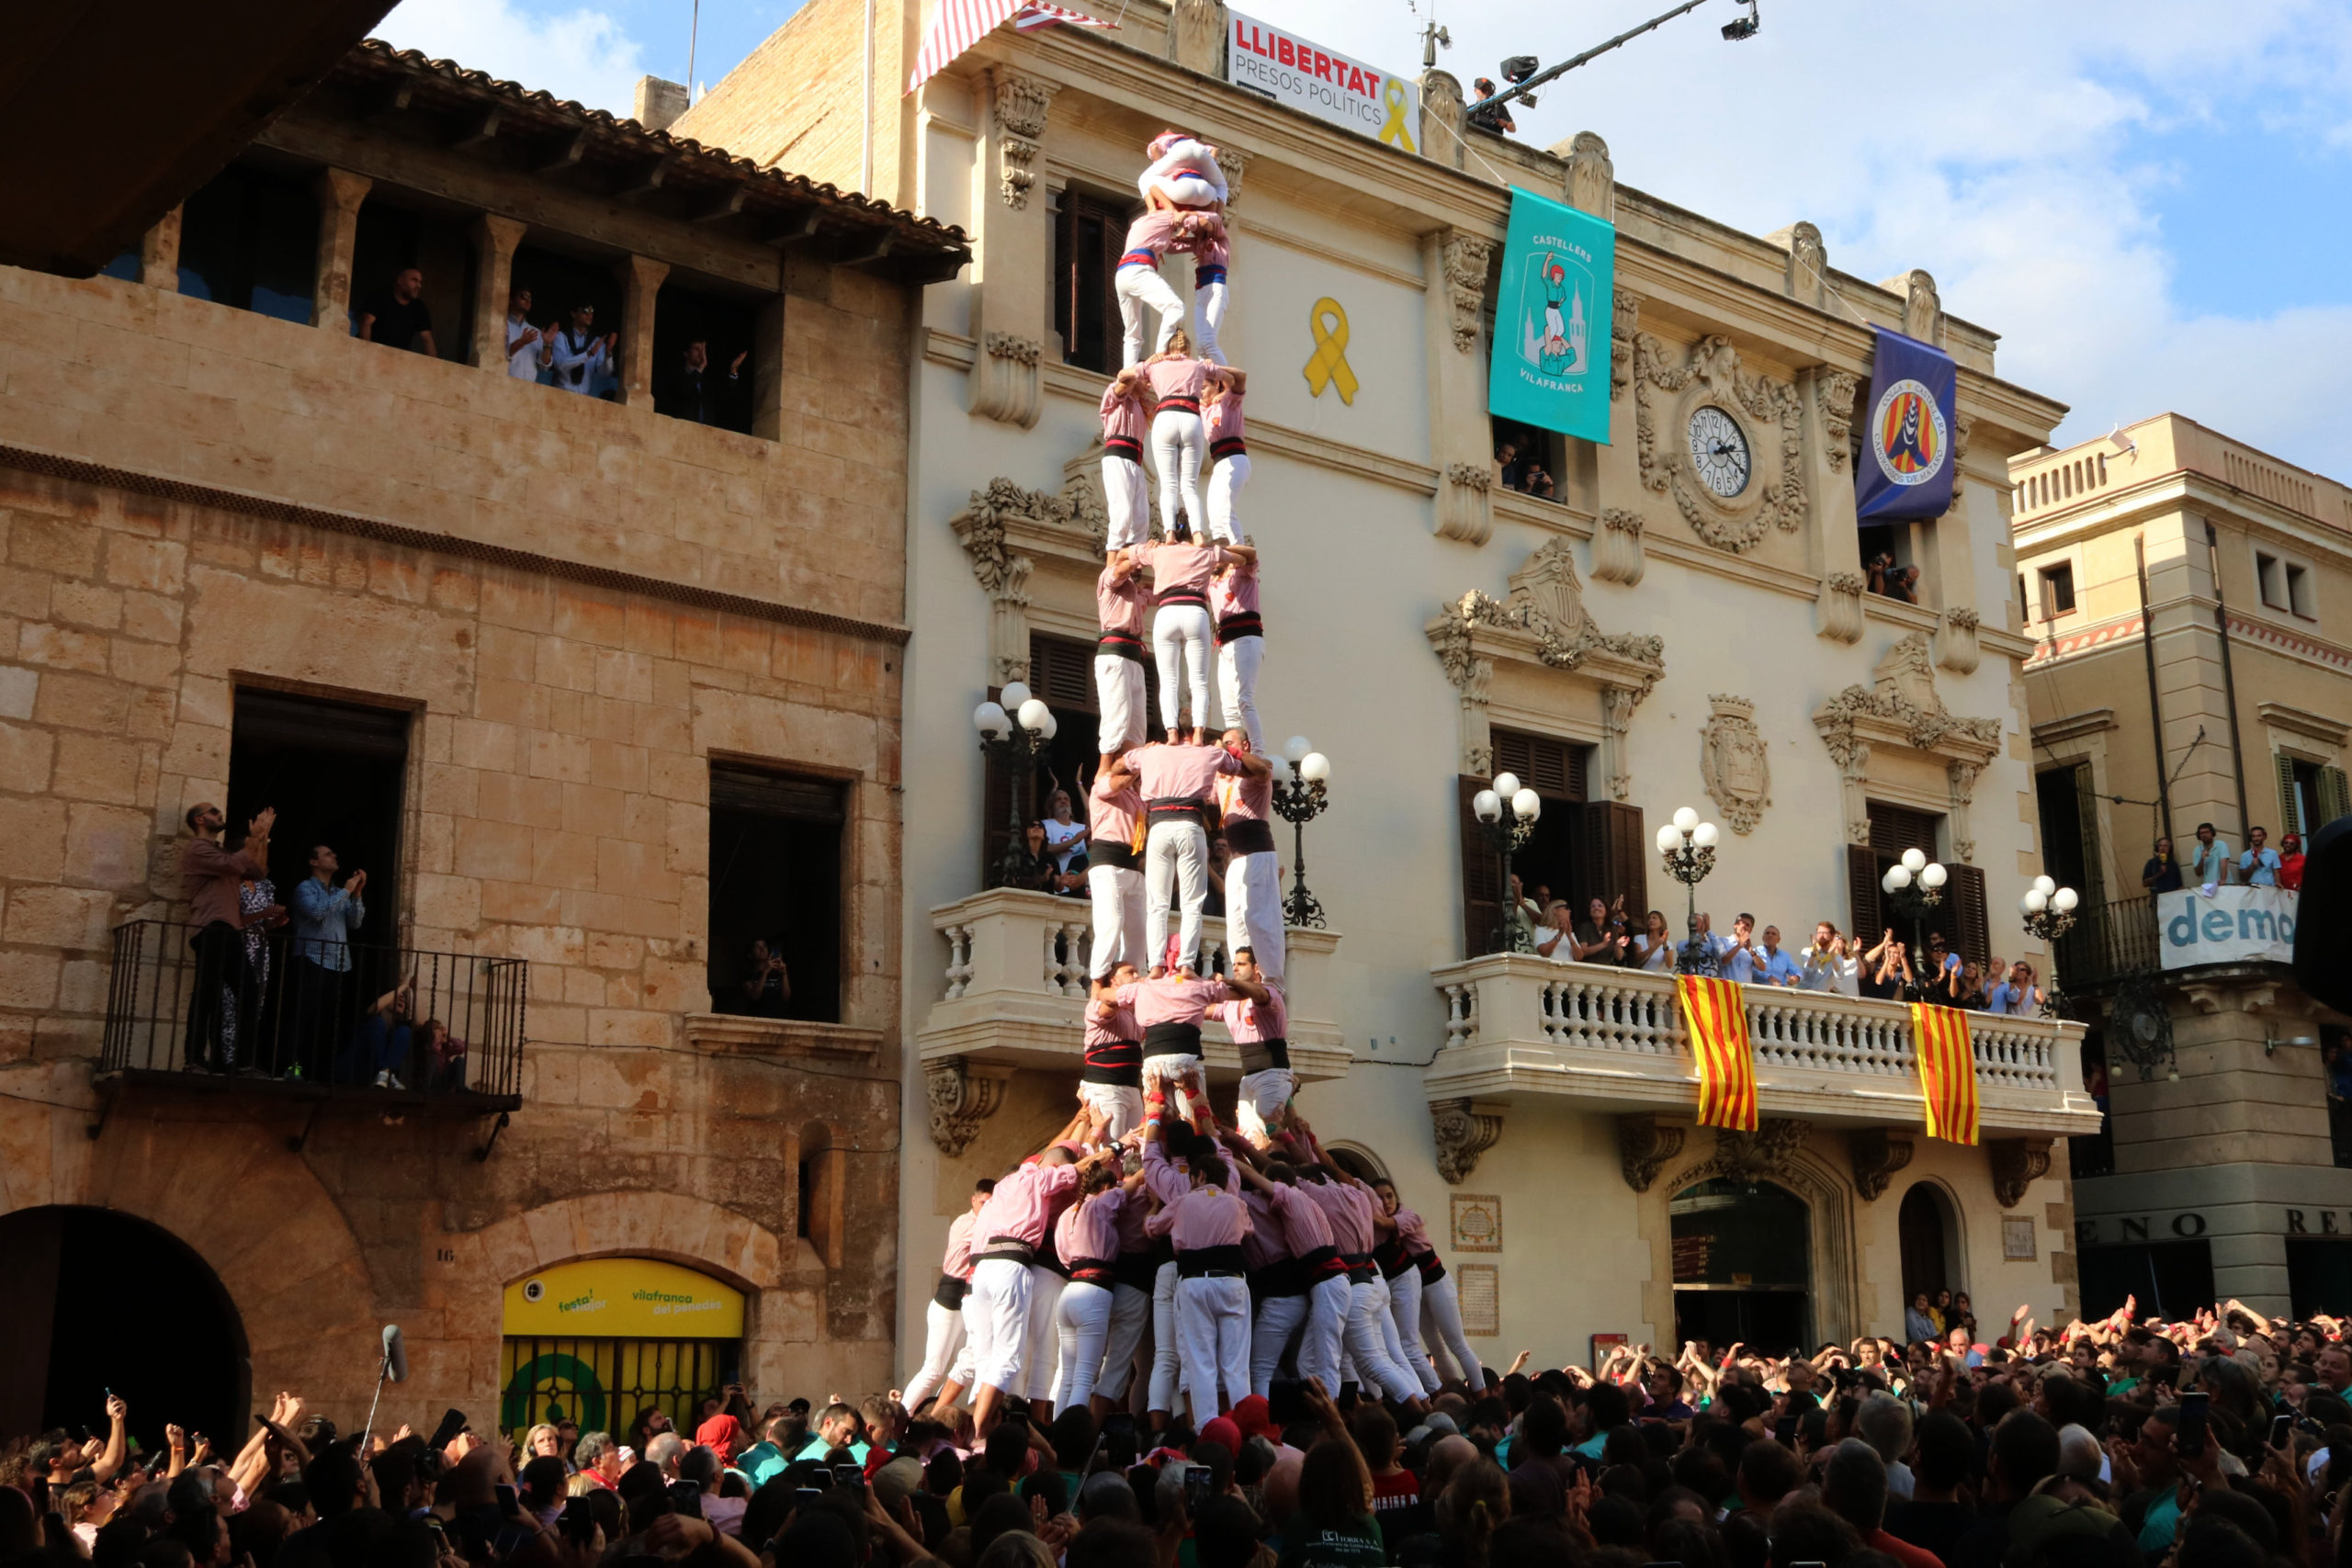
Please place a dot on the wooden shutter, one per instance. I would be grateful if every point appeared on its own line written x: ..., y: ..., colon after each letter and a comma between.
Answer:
x: 996, y: 800
x: 2335, y: 799
x: 1061, y: 670
x: 1961, y: 915
x: 1625, y: 862
x: 1864, y: 866
x: 1554, y: 769
x: 1895, y: 829
x: 2289, y: 819
x: 2094, y: 885
x: 1481, y: 871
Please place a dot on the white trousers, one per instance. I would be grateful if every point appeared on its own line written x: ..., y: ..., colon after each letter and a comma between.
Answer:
x: 1041, y: 1348
x: 1181, y: 639
x: 1166, y: 1359
x: 1225, y: 480
x: 1130, y: 1311
x: 997, y: 1313
x: 1279, y: 1319
x: 1253, y: 908
x: 1137, y: 287
x: 1328, y: 1304
x: 1442, y: 1309
x: 1178, y: 442
x: 1118, y: 691
x: 1405, y: 1312
x: 1126, y: 496
x: 1176, y: 867
x: 1237, y: 686
x: 942, y: 1338
x: 1117, y: 894
x: 1183, y: 1081
x: 1084, y: 1316
x: 1263, y: 1094
x: 1122, y: 1105
x: 1213, y: 299
x: 1213, y: 1329
x: 1368, y: 1337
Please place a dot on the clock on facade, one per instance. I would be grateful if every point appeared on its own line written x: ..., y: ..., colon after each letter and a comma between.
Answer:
x: 1719, y: 451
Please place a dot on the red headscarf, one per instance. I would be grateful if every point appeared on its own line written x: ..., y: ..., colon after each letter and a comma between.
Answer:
x: 1255, y: 1417
x: 722, y: 1433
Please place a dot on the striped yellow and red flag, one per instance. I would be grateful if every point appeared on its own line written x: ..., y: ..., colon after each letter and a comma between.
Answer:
x: 1947, y: 1071
x: 1717, y: 1020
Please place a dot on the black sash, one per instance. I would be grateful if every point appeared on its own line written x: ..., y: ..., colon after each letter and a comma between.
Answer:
x: 1092, y: 1271
x: 1123, y: 855
x: 1432, y: 1270
x: 951, y: 1293
x: 1126, y: 446
x: 1137, y: 1271
x: 1248, y: 835
x: 1245, y: 623
x: 1178, y: 808
x: 1263, y: 1055
x: 1204, y: 1260
x: 1184, y: 596
x: 1226, y: 447
x: 1171, y: 1040
x: 1007, y: 1246
x: 1323, y: 1263
x: 1390, y: 1258
x: 1120, y: 645
x: 1118, y: 1063
x: 1284, y: 1277
x: 1360, y: 1268
x: 1178, y: 405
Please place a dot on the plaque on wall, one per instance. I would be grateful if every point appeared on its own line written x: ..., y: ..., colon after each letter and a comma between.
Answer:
x: 1477, y: 1222
x: 1480, y: 1289
x: 2018, y: 1245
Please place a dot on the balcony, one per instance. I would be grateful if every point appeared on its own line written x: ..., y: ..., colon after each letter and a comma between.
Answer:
x: 293, y: 1039
x: 1013, y: 997
x: 2109, y: 942
x: 1611, y: 1040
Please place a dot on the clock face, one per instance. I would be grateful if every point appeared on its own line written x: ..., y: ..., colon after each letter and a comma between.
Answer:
x: 1718, y: 451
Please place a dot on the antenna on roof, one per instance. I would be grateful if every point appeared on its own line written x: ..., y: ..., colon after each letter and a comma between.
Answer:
x: 693, y: 36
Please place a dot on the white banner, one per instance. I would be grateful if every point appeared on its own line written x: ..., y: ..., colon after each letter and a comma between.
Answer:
x: 1346, y: 91
x: 2236, y: 925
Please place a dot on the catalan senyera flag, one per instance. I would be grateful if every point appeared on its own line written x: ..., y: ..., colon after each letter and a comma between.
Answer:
x: 1947, y: 1071
x: 1715, y: 1018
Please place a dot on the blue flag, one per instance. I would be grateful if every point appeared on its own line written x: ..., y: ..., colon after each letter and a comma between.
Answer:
x: 1552, y: 311
x: 1904, y: 468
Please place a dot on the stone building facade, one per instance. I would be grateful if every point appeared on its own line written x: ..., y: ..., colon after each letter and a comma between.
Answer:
x: 1628, y: 646
x: 568, y: 626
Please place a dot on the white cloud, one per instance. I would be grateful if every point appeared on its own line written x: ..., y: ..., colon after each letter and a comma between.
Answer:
x: 582, y: 54
x: 1994, y: 143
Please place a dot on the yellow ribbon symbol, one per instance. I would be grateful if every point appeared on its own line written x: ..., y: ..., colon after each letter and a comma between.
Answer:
x: 1328, y: 365
x: 1391, y: 96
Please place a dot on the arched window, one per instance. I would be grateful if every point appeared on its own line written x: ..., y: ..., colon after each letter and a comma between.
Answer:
x: 1742, y: 1265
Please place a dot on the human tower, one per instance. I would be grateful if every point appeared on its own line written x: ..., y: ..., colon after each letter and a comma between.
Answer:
x: 1244, y: 1248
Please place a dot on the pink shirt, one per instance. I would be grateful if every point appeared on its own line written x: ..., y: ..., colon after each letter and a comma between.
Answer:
x: 1122, y: 606
x: 957, y: 1264
x: 1306, y: 1228
x: 1167, y: 1181
x: 1111, y: 814
x: 1109, y: 1022
x: 1266, y: 1243
x: 1234, y: 593
x: 1123, y: 416
x: 1185, y: 569
x: 1203, y: 1217
x: 1243, y: 798
x: 1181, y: 772
x: 1223, y: 418
x: 1154, y: 232
x: 1171, y: 1000
x: 1412, y: 1231
x: 1022, y: 1204
x: 1251, y: 1020
x: 1349, y: 1208
x: 1131, y: 1218
x: 1089, y: 1227
x: 1176, y: 378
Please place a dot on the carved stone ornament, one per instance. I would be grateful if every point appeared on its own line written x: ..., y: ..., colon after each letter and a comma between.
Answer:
x: 1464, y: 1129
x: 1735, y: 763
x: 962, y: 1094
x: 1465, y: 257
x: 1442, y: 122
x: 1837, y: 608
x: 1590, y: 179
x: 1022, y: 102
x: 1747, y: 1156
x: 1624, y: 321
x: 1956, y: 645
x: 1643, y: 1145
x: 1878, y: 1152
x: 1465, y: 504
x: 1232, y: 163
x: 2018, y: 1163
x: 1961, y: 430
x: 1808, y: 274
x: 1710, y: 372
x: 1900, y: 707
x: 1923, y: 307
x: 1617, y: 547
x: 1835, y: 388
x: 1006, y: 385
x: 1196, y: 36
x: 994, y: 527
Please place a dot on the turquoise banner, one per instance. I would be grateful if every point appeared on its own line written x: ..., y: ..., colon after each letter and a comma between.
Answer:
x: 1553, y: 311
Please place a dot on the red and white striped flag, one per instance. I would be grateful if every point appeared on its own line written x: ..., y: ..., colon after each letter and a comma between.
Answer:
x: 957, y: 25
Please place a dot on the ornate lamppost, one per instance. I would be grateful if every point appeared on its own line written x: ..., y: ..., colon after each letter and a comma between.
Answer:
x: 1914, y: 886
x: 2049, y: 912
x: 1688, y: 847
x: 1299, y: 800
x: 1508, y: 814
x: 1013, y: 733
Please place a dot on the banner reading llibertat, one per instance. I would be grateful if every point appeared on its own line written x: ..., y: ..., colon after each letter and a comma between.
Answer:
x: 1553, y: 309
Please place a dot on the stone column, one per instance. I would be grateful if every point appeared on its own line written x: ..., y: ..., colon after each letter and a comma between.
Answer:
x: 340, y: 192
x: 641, y: 285
x: 1461, y: 436
x: 158, y: 253
x: 494, y: 242
x: 768, y: 369
x: 1013, y: 249
x: 1833, y: 549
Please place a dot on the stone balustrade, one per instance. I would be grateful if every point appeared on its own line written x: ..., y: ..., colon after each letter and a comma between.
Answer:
x: 1520, y: 1024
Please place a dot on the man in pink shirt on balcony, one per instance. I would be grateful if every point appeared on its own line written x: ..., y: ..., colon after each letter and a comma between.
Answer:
x: 1206, y: 1223
x: 1179, y: 787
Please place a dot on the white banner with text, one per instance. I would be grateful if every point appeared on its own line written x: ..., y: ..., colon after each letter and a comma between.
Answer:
x: 2234, y: 925
x: 1330, y: 87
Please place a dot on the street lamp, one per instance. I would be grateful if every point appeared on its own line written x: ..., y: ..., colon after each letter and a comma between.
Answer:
x: 1914, y: 886
x: 1688, y: 847
x: 1299, y: 800
x: 1013, y: 731
x: 2049, y: 912
x: 1508, y: 813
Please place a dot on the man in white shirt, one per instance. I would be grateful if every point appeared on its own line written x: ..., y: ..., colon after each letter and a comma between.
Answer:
x: 580, y: 357
x: 1830, y: 964
x: 527, y: 347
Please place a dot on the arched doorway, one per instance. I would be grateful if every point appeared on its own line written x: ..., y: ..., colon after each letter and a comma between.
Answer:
x: 1743, y: 1254
x: 102, y: 1301
x: 1929, y: 1235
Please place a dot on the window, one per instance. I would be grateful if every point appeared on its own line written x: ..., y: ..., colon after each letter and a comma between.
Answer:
x: 2269, y: 579
x: 1580, y: 850
x: 250, y: 239
x: 2025, y: 603
x: 558, y: 283
x: 389, y: 239
x: 2068, y: 803
x: 2299, y: 593
x: 725, y: 327
x: 775, y: 893
x: 1061, y: 674
x: 1961, y: 916
x: 336, y: 771
x: 2311, y: 794
x: 1090, y: 232
x: 2057, y: 591
x: 1889, y: 569
x: 1536, y: 461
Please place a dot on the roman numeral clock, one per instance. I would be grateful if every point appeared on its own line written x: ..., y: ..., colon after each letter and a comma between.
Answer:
x: 1724, y: 442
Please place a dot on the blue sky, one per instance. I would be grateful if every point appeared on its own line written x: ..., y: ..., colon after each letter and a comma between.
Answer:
x: 2150, y: 200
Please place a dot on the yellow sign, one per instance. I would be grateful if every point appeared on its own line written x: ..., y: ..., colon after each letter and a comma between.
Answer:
x: 624, y: 1298
x: 1395, y: 100
x: 1328, y: 319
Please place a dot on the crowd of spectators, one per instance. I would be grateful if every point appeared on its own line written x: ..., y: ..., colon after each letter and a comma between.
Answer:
x: 2210, y: 863
x: 2222, y: 1440
x: 1518, y: 468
